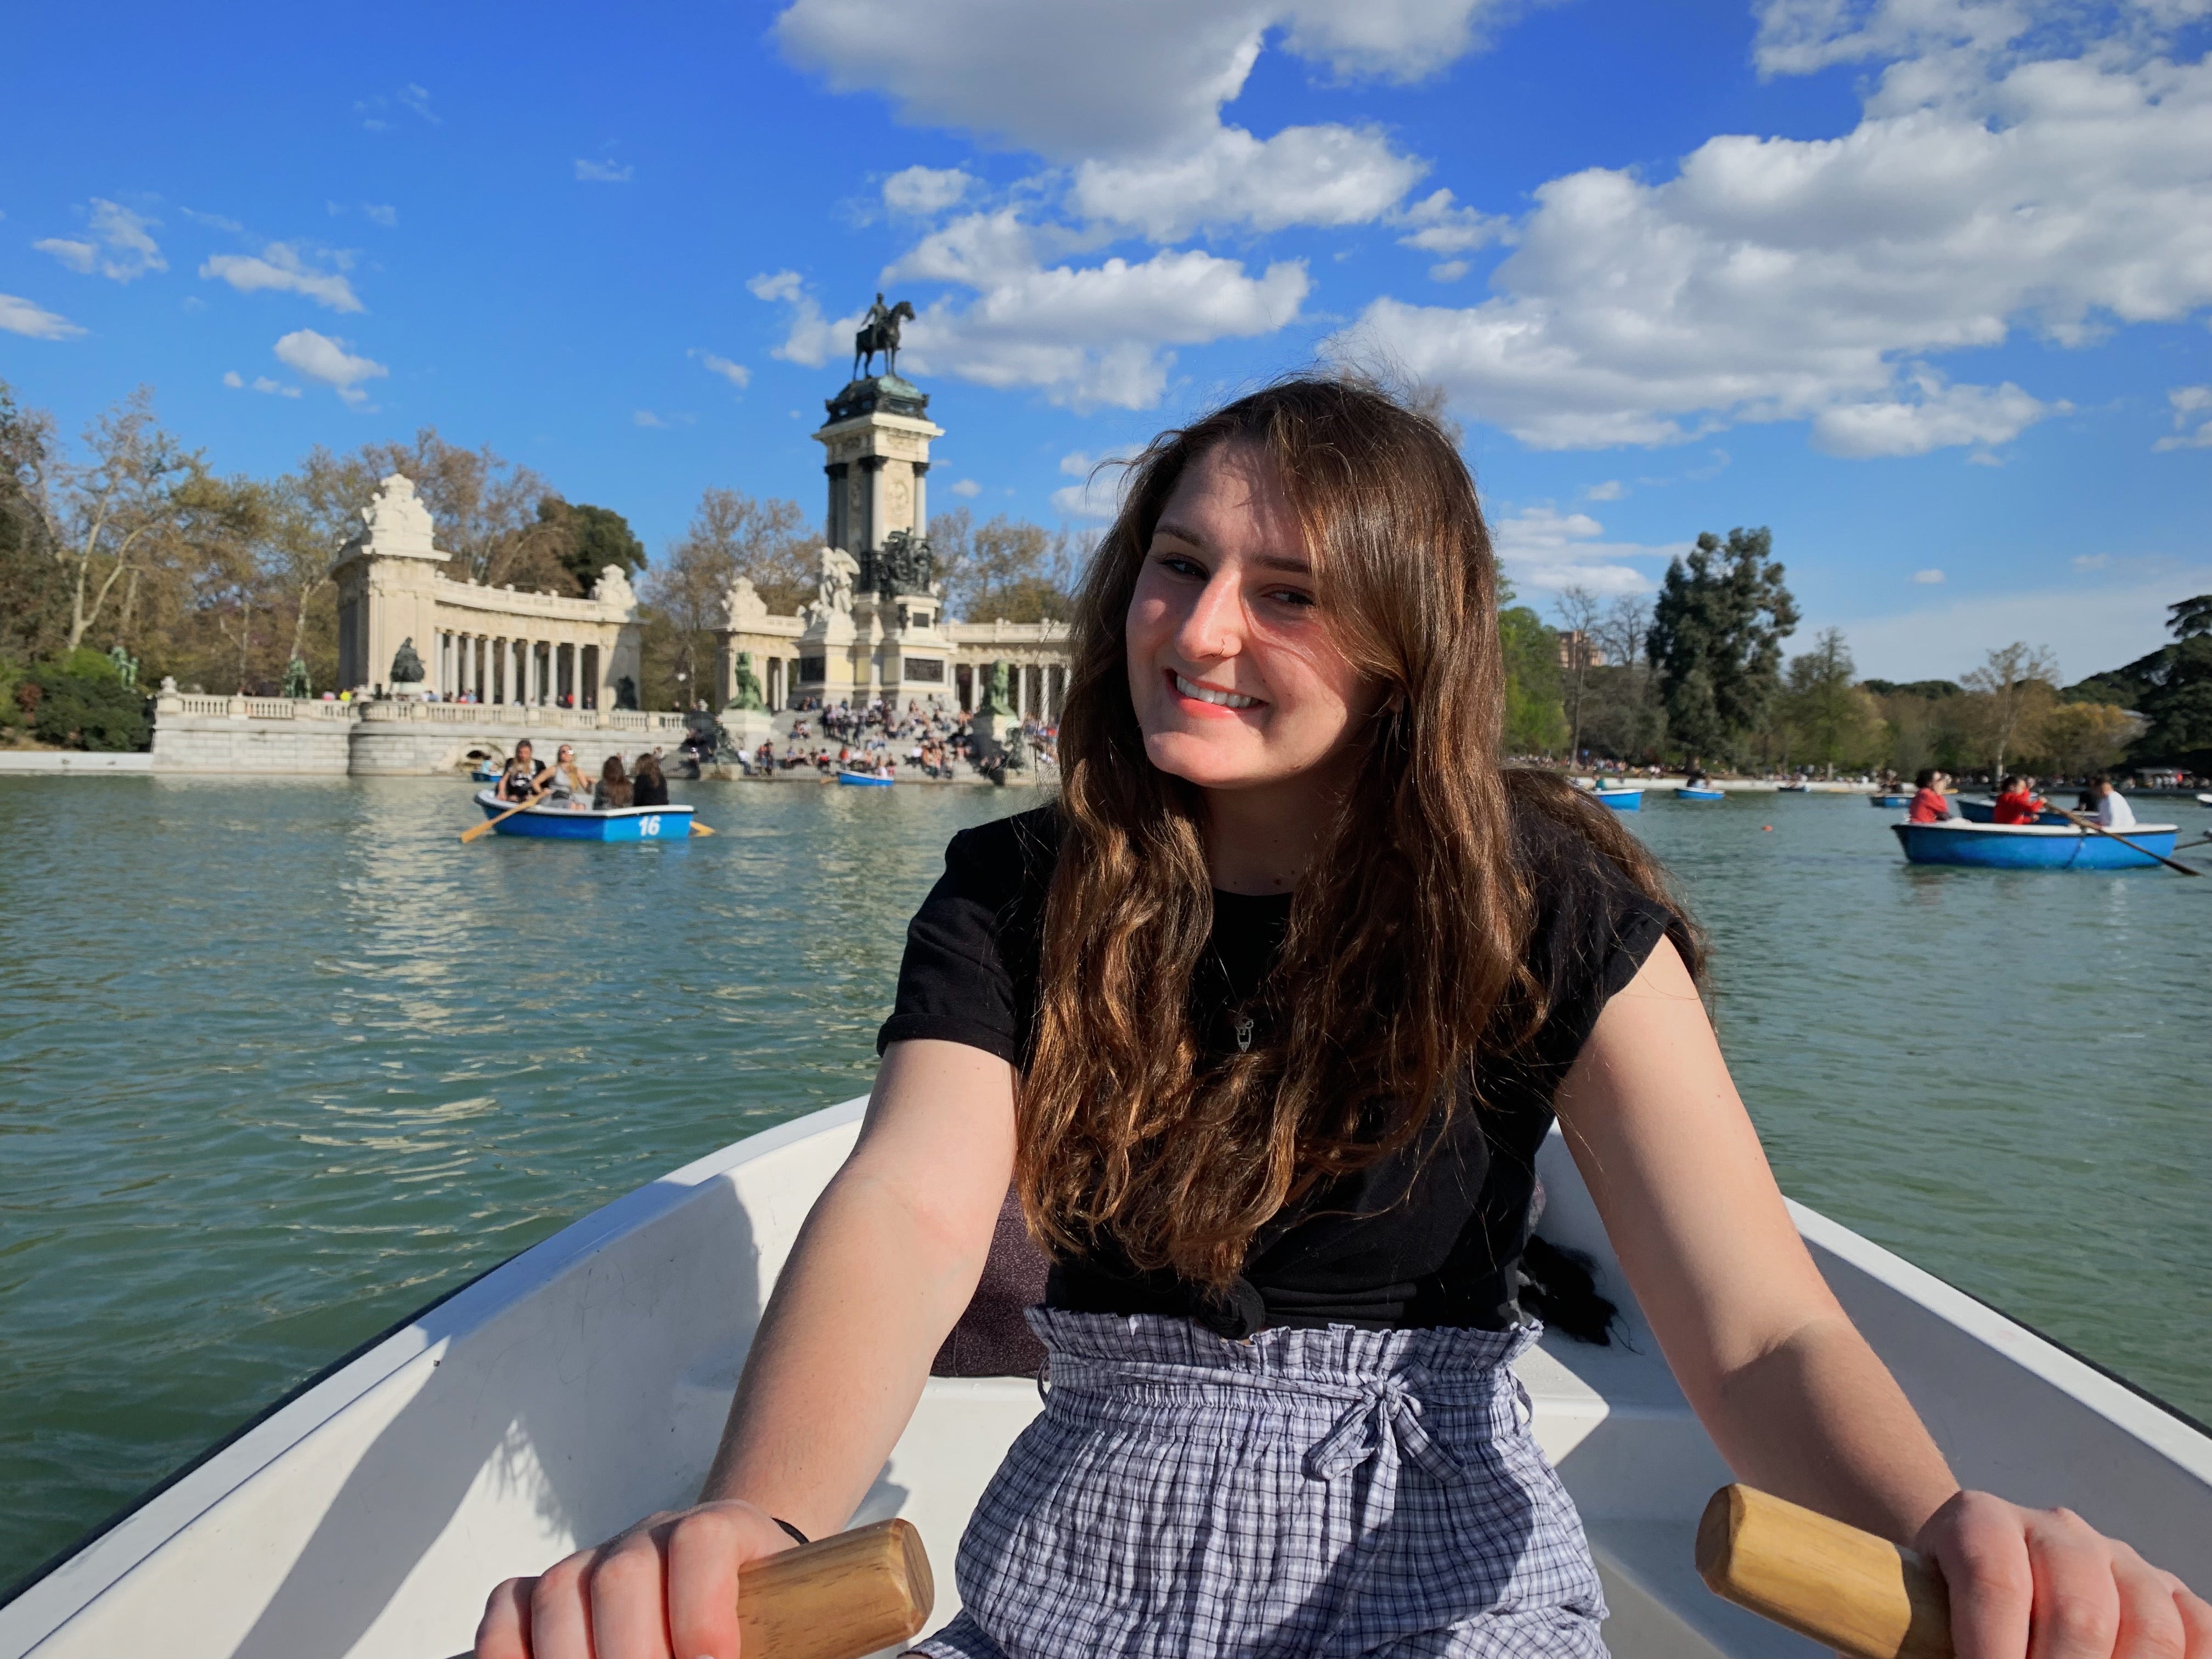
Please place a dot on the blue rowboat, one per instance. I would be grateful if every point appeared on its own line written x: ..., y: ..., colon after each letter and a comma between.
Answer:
x: 611, y: 824
x: 1985, y: 812
x: 2033, y: 846
x: 484, y: 774
x: 1685, y: 792
x: 1889, y: 803
x: 1621, y: 801
x: 865, y: 780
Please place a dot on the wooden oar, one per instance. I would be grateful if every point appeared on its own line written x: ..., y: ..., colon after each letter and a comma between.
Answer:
x: 699, y: 828
x: 2088, y: 823
x: 489, y: 824
x: 836, y: 1598
x: 1844, y: 1588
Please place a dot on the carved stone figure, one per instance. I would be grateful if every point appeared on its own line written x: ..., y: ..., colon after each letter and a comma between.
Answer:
x: 879, y: 332
x: 1017, y: 750
x: 295, y: 679
x: 746, y: 693
x: 395, y: 523
x: 904, y: 564
x: 834, y: 592
x: 995, y: 699
x: 625, y: 693
x: 613, y: 588
x: 127, y: 666
x: 742, y: 605
x: 406, y: 664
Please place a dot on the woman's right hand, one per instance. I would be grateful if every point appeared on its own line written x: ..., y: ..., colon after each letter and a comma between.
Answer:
x: 671, y: 1578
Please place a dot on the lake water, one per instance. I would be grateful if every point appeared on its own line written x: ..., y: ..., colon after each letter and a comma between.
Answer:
x: 281, y: 1060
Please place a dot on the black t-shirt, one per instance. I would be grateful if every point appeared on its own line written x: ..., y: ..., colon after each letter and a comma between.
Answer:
x: 1428, y: 1237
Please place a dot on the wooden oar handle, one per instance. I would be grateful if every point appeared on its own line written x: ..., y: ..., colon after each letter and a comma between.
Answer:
x: 836, y: 1598
x: 1844, y: 1588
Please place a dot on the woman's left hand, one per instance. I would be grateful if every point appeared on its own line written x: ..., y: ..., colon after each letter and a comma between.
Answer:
x: 2045, y: 1585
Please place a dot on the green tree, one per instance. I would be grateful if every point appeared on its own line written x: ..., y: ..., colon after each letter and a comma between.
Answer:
x: 1535, y: 721
x: 589, y: 539
x: 1832, y: 721
x: 1579, y: 609
x: 1716, y: 639
x: 2172, y: 689
x: 33, y: 599
x: 82, y: 703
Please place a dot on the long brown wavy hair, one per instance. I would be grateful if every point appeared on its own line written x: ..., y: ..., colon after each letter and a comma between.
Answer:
x: 1405, y: 949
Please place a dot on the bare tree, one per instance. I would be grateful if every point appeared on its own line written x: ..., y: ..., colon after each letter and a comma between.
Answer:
x: 2013, y: 689
x: 102, y: 519
x: 485, y: 505
x: 1580, y: 609
x: 731, y: 535
x: 1004, y: 567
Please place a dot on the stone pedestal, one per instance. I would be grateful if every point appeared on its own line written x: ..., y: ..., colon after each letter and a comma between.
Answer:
x: 748, y: 728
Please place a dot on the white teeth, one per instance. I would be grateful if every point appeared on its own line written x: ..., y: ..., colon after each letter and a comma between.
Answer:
x: 1207, y: 694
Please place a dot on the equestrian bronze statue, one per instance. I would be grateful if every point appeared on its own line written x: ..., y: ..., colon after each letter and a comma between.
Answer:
x: 879, y: 332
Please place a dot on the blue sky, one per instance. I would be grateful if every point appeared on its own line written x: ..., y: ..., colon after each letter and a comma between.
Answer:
x: 1922, y: 284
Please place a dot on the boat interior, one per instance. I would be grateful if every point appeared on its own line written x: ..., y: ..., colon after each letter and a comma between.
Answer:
x: 584, y: 1383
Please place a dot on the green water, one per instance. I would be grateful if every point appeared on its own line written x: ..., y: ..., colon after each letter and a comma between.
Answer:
x: 280, y: 1061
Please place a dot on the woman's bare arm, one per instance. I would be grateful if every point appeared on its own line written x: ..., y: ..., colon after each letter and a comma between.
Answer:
x: 882, y: 1270
x: 1788, y: 1389
x: 888, y: 1257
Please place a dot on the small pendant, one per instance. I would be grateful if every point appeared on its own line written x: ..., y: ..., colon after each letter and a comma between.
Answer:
x: 1243, y: 1037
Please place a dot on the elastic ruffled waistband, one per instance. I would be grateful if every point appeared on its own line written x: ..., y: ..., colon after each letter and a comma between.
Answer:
x: 1340, y: 1354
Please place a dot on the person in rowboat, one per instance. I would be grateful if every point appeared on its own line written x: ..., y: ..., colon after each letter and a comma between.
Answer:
x: 1931, y: 805
x: 1264, y: 1020
x: 2018, y: 802
x: 2107, y: 804
x: 524, y: 774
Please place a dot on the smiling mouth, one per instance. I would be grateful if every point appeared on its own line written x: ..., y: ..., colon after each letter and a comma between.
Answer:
x: 1207, y: 694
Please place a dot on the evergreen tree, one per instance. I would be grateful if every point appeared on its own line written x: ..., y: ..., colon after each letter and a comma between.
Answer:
x: 1716, y: 639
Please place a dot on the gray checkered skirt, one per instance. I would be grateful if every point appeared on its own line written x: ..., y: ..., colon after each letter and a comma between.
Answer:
x: 1306, y: 1493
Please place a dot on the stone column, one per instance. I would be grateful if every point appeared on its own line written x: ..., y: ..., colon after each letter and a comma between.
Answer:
x: 875, y: 532
x: 513, y: 667
x: 921, y: 499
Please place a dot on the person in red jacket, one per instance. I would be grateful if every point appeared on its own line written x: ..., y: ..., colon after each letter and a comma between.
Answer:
x: 2019, y: 803
x: 1930, y: 804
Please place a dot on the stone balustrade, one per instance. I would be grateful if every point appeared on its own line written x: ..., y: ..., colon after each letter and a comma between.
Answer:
x: 380, y: 736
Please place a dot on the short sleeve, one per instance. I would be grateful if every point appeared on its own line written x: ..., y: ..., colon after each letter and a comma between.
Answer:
x: 1595, y: 929
x: 968, y: 973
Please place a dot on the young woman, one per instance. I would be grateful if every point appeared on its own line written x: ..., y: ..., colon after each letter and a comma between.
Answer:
x: 1264, y: 1021
x: 613, y: 788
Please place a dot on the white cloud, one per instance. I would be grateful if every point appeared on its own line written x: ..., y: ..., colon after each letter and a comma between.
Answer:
x: 279, y: 269
x: 922, y: 191
x: 602, y: 172
x: 1439, y: 225
x: 1316, y: 175
x: 1099, y: 493
x: 967, y: 489
x: 736, y: 373
x: 1928, y: 578
x: 77, y: 256
x: 1450, y: 271
x: 319, y: 357
x: 1098, y: 334
x: 1091, y: 78
x: 130, y: 249
x: 2091, y: 561
x: 415, y: 100
x: 779, y: 285
x: 808, y: 340
x: 1941, y: 416
x: 20, y: 316
x: 238, y: 382
x: 380, y: 213
x: 2190, y: 404
x: 1774, y: 279
x: 1610, y: 490
x: 2095, y: 626
x: 1544, y: 548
